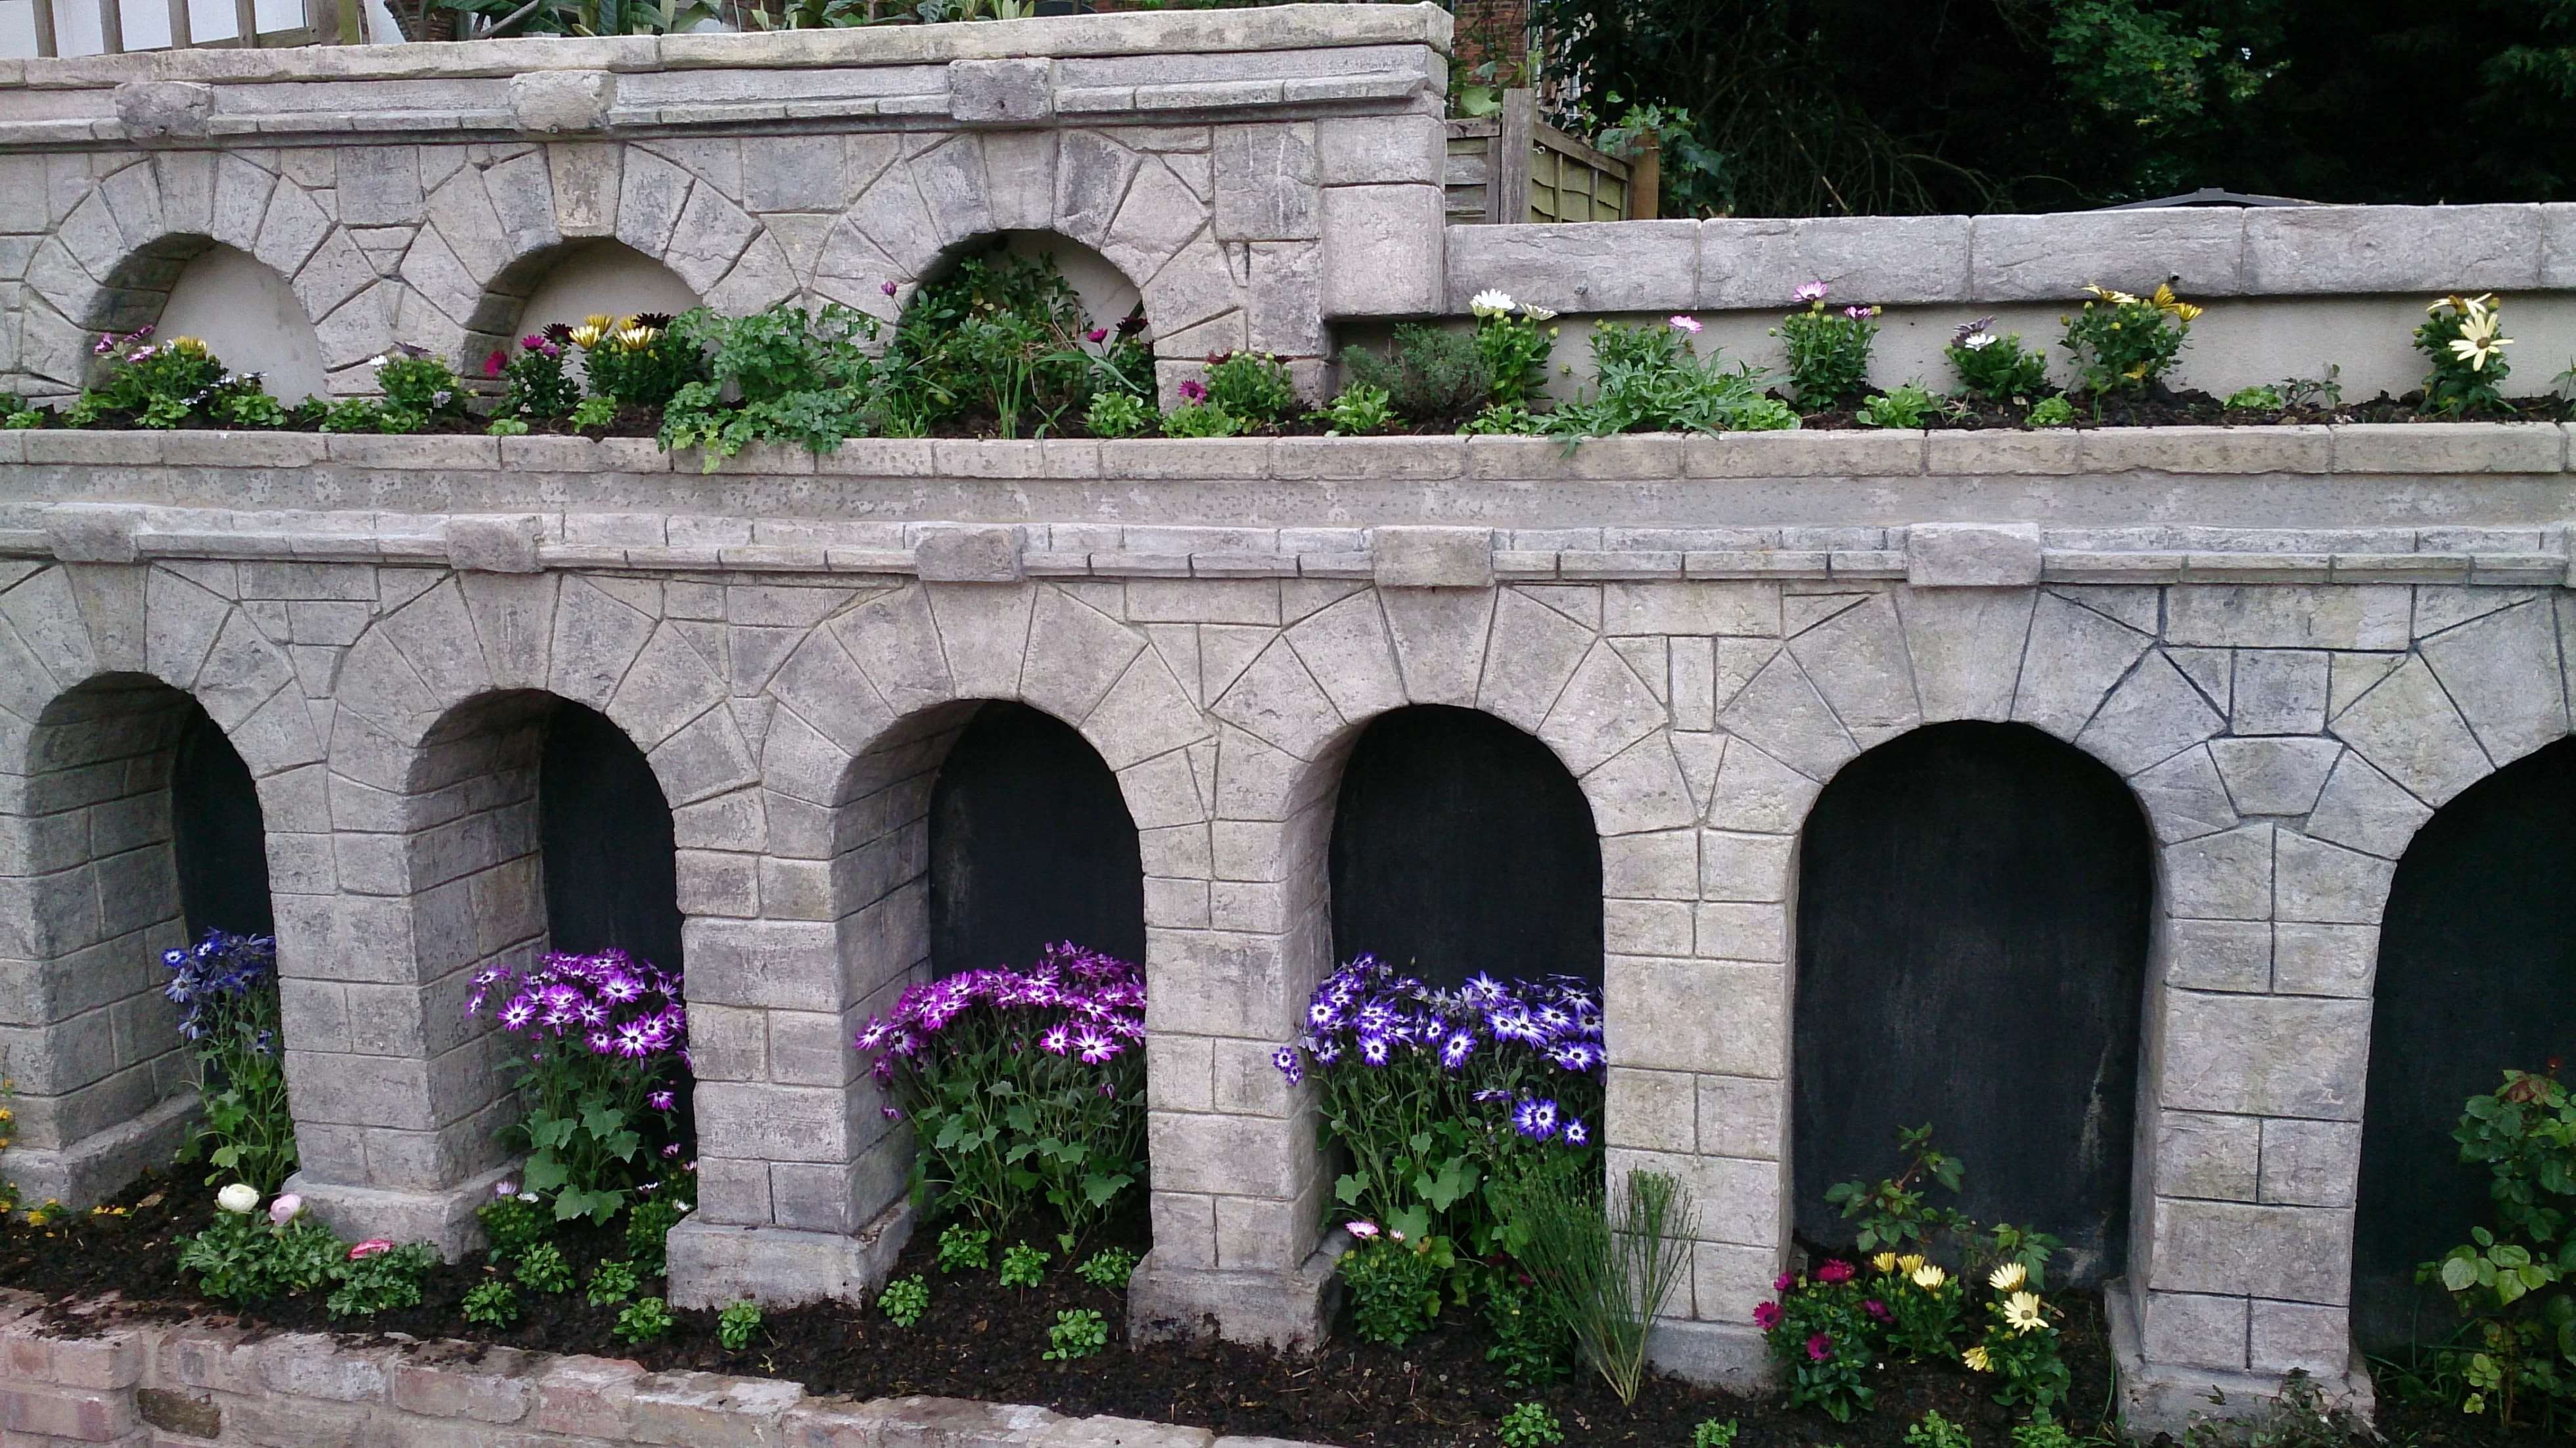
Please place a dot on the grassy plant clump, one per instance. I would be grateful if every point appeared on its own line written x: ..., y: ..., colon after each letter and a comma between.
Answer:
x: 1251, y: 386
x: 1429, y: 374
x: 1606, y: 1274
x: 1652, y: 379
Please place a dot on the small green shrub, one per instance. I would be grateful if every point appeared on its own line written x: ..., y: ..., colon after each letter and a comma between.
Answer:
x: 160, y: 384
x: 1078, y: 1333
x: 1650, y: 379
x: 1395, y: 1289
x: 904, y: 1300
x: 594, y: 413
x: 1360, y: 410
x: 1826, y: 350
x: 1934, y: 1431
x: 1996, y: 368
x: 1023, y: 1265
x: 1503, y: 419
x: 247, y: 1256
x: 636, y: 361
x: 2124, y: 343
x: 2462, y: 337
x: 1429, y: 374
x: 611, y: 1283
x: 492, y: 1304
x: 535, y: 383
x: 378, y: 1276
x: 506, y: 427
x: 964, y: 1246
x: 245, y: 407
x: 1253, y: 386
x: 1117, y: 414
x: 646, y: 1319
x: 648, y: 1230
x: 736, y: 1324
x: 418, y: 387
x: 1712, y: 1433
x: 1200, y: 419
x: 803, y: 378
x: 2254, y: 399
x: 1909, y: 406
x: 358, y: 414
x: 1110, y: 1267
x: 1531, y: 1344
x: 542, y: 1268
x: 2037, y: 1433
x: 513, y: 1221
x: 1529, y: 1425
x: 2052, y: 411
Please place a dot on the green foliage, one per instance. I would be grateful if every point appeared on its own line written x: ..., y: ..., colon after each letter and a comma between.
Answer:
x: 418, y: 387
x: 964, y: 1246
x: 513, y: 1223
x: 242, y: 1257
x: 1532, y: 1345
x: 492, y: 1304
x: 2052, y: 411
x: 736, y: 1324
x: 644, y: 1320
x: 904, y: 1300
x: 1253, y: 386
x: 1513, y: 347
x: 1529, y: 1425
x: 380, y: 1277
x: 1711, y: 1433
x: 1824, y: 1341
x: 1000, y: 340
x: 1429, y: 374
x: 1996, y: 368
x: 1934, y: 1431
x: 1893, y: 1213
x: 360, y: 414
x: 2021, y: 1349
x: 637, y: 361
x: 648, y: 1229
x: 2124, y: 343
x: 1826, y: 350
x: 506, y: 427
x: 1078, y: 1333
x: 1200, y: 419
x: 1501, y: 420
x: 1110, y: 1267
x: 1023, y: 1265
x: 1909, y: 406
x: 2037, y: 1433
x: 582, y: 17
x: 1604, y: 1275
x: 536, y: 383
x: 245, y: 407
x: 2462, y: 336
x: 1650, y: 379
x: 1395, y: 1287
x: 611, y: 1283
x: 1359, y: 410
x: 591, y: 414
x: 803, y: 378
x: 169, y: 384
x: 243, y: 1130
x: 2254, y: 399
x: 1117, y: 414
x: 542, y: 1268
x: 2515, y: 1349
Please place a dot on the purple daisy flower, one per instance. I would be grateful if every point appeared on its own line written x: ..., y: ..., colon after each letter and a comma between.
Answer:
x: 1093, y: 1046
x: 1535, y: 1119
x: 1290, y: 1066
x: 661, y: 1100
x: 1576, y: 1133
x: 1455, y: 1051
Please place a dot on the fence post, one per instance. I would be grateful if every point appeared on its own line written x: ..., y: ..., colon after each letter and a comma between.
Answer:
x: 111, y: 26
x: 45, y: 45
x: 246, y: 18
x: 1646, y: 179
x: 1509, y: 172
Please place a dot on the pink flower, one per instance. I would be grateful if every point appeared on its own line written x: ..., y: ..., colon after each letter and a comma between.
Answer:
x: 283, y: 1210
x: 1767, y: 1316
x: 1783, y: 1282
x: 1361, y: 1231
x: 1835, y: 1270
x: 1194, y: 391
x: 1875, y: 1308
x: 889, y: 289
x: 372, y: 1247
x: 492, y: 365
x: 1811, y: 292
x: 1686, y: 324
x: 1096, y: 334
x: 1860, y: 314
x: 1820, y: 1347
x: 505, y: 1189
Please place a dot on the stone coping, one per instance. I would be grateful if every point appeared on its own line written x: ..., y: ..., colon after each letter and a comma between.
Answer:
x: 2372, y: 449
x: 180, y: 1382
x: 1283, y: 27
x: 1732, y: 263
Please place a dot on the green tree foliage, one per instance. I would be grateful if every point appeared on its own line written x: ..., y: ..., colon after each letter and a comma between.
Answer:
x: 1840, y: 107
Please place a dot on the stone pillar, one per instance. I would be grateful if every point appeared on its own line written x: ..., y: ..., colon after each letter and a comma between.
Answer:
x: 89, y: 903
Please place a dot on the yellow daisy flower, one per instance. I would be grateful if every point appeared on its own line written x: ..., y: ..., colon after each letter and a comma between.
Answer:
x: 1929, y: 1276
x: 2022, y: 1314
x: 2478, y: 340
x: 2008, y: 1278
x: 1910, y: 1263
x: 1885, y: 1262
x: 1977, y: 1360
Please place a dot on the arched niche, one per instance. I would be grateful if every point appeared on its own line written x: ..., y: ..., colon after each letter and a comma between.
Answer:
x: 1030, y: 842
x: 606, y: 277
x: 611, y: 863
x: 1107, y: 294
x: 1461, y: 844
x: 2477, y: 973
x: 219, y: 842
x: 241, y: 308
x: 1973, y: 917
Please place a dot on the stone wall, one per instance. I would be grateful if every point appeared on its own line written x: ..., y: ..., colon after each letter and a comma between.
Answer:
x: 2367, y: 620
x: 172, y: 1384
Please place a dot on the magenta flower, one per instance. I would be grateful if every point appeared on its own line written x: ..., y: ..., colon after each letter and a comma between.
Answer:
x: 889, y: 289
x: 1876, y: 1308
x: 1811, y: 292
x: 493, y: 364
x: 372, y: 1247
x: 1766, y: 1316
x: 1360, y: 1231
x: 1860, y: 314
x: 1682, y: 323
x: 661, y: 1101
x: 1783, y: 1282
x: 1834, y: 1270
x: 1193, y: 391
x: 1096, y: 334
x: 1821, y: 1346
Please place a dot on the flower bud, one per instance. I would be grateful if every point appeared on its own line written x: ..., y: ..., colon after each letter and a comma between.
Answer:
x: 238, y: 1198
x: 285, y: 1209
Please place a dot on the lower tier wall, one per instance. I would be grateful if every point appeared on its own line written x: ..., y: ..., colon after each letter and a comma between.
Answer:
x: 180, y: 1385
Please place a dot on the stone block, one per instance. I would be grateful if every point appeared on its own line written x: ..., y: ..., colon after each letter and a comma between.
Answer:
x: 495, y: 1386
x: 92, y: 532
x: 2053, y: 257
x: 1972, y: 555
x: 2294, y: 251
x: 2216, y: 1158
x: 1637, y: 266
x: 2325, y: 960
x: 2297, y: 1254
x: 1748, y: 264
x: 965, y: 553
x: 2311, y: 1163
x: 562, y: 102
x: 1015, y: 92
x: 494, y: 544
x: 74, y: 1414
x: 2265, y: 1055
x: 2263, y: 616
x: 1432, y: 557
x: 2219, y: 955
x: 1697, y: 1015
x: 1283, y: 1309
x: 2275, y: 776
x: 708, y: 1410
x: 1383, y: 249
x: 153, y: 109
x: 2457, y: 449
x: 1265, y: 179
x: 2195, y: 1330
x: 2279, y: 691
x: 1380, y: 150
x: 2300, y: 1337
x: 712, y: 1265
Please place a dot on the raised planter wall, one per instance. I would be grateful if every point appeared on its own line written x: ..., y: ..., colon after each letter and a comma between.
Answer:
x: 2292, y: 644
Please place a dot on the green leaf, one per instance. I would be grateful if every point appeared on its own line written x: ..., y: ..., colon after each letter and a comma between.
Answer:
x: 1350, y: 1187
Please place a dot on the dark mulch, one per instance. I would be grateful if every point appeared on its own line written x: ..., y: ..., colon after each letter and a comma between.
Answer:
x: 982, y: 1340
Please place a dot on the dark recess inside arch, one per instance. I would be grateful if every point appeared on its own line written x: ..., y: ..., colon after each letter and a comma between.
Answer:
x: 218, y: 836
x: 1973, y: 914
x: 1461, y: 844
x: 2477, y: 972
x: 1030, y: 843
x: 611, y: 877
